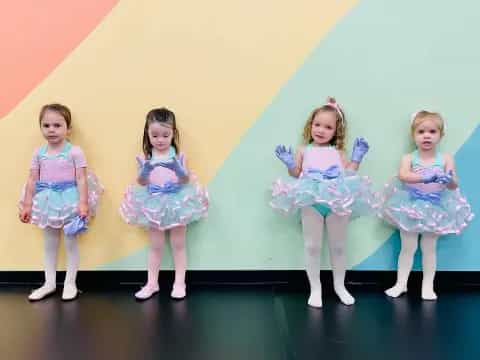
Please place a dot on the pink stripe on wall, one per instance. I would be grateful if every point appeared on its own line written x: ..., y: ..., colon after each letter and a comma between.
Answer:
x: 35, y: 36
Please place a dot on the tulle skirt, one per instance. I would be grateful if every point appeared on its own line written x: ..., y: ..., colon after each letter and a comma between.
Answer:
x: 162, y: 211
x: 347, y: 195
x: 53, y: 208
x: 449, y: 214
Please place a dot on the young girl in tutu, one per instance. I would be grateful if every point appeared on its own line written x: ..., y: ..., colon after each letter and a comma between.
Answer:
x: 60, y: 194
x: 325, y: 187
x: 424, y: 200
x: 165, y: 197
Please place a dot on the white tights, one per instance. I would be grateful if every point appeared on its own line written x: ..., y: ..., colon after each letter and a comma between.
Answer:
x: 157, y: 242
x: 428, y: 245
x: 313, y: 223
x: 52, y: 240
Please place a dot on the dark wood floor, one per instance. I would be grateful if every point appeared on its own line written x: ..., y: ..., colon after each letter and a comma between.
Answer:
x: 240, y: 322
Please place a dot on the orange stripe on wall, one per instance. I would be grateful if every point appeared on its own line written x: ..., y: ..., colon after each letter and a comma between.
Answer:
x: 36, y: 36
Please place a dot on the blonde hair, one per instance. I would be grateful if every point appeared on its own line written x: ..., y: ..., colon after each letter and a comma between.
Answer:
x: 423, y: 115
x: 338, y: 139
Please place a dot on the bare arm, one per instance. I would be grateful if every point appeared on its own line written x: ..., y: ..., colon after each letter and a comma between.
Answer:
x: 297, y: 170
x: 26, y: 211
x: 33, y: 177
x: 81, y: 177
x: 450, y: 166
x: 405, y: 173
x: 348, y: 164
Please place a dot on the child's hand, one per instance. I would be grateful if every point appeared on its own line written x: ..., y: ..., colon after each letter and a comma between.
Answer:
x: 25, y: 214
x: 445, y: 178
x: 360, y: 148
x: 176, y: 165
x: 83, y: 210
x: 146, y: 167
x: 285, y: 156
x: 429, y: 177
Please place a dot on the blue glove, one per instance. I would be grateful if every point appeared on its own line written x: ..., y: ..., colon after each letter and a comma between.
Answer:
x: 285, y: 156
x: 76, y: 226
x: 445, y: 178
x: 360, y: 148
x: 146, y: 167
x: 429, y: 177
x: 176, y: 165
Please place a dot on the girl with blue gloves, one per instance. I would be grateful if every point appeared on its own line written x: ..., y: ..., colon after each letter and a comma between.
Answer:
x: 165, y: 197
x: 60, y: 193
x: 326, y: 188
x: 424, y: 200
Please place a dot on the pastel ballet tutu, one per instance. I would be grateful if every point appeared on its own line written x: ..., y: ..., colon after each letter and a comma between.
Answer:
x: 55, y: 204
x: 348, y: 194
x: 161, y: 208
x: 442, y: 212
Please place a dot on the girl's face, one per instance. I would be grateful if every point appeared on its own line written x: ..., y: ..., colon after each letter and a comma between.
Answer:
x: 324, y: 125
x: 54, y: 127
x: 427, y: 134
x: 160, y: 135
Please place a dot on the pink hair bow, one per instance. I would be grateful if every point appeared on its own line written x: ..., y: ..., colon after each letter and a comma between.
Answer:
x: 332, y: 103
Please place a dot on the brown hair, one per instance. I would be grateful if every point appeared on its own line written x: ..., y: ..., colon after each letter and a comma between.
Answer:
x: 423, y: 115
x: 162, y: 116
x: 338, y: 139
x: 58, y: 108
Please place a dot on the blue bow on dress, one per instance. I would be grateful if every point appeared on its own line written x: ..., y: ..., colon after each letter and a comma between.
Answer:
x: 54, y: 185
x: 432, y: 197
x: 167, y: 188
x: 331, y: 173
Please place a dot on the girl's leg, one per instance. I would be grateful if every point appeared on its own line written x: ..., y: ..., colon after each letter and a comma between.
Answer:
x: 405, y: 262
x: 157, y: 241
x: 51, y: 241
x: 337, y: 231
x: 312, y: 223
x: 177, y: 241
x: 70, y: 287
x: 428, y: 245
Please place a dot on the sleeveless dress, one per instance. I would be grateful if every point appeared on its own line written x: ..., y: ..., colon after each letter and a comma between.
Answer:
x: 423, y: 207
x: 326, y: 186
x: 165, y: 202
